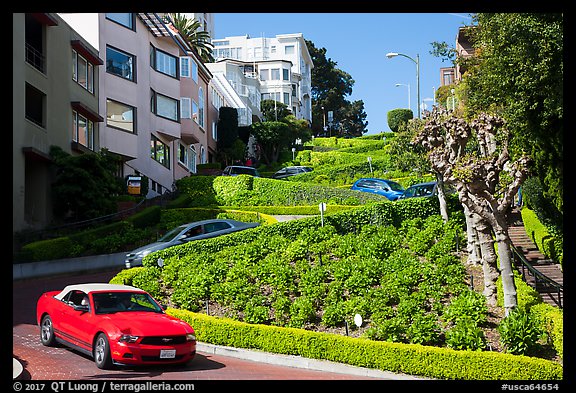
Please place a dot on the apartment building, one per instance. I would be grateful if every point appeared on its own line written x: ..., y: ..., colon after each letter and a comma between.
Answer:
x: 464, y: 50
x: 197, y: 143
x: 283, y: 65
x: 237, y: 81
x: 153, y: 95
x: 55, y: 92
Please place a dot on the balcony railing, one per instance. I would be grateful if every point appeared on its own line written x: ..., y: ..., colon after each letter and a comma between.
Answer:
x: 35, y: 58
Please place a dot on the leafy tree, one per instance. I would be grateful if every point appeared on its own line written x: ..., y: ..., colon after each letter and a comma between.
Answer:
x: 272, y: 136
x: 273, y: 110
x: 191, y: 31
x: 473, y: 157
x: 85, y: 185
x: 228, y: 135
x: 518, y: 71
x: 330, y: 87
x: 299, y: 128
x: 353, y: 121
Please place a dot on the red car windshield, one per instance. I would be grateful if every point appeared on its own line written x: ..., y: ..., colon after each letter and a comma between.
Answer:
x: 112, y: 302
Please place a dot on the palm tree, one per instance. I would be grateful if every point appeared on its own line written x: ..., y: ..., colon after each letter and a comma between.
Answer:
x: 190, y: 30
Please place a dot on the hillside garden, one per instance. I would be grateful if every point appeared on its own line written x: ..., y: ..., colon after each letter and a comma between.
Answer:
x: 397, y: 265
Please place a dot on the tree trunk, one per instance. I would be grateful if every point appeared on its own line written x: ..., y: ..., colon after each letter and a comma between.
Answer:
x: 505, y: 258
x: 489, y: 269
x: 442, y: 197
x: 473, y: 244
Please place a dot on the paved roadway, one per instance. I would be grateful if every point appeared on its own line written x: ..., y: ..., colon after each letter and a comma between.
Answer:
x: 41, y: 363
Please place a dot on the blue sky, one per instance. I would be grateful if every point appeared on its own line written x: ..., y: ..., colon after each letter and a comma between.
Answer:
x: 358, y: 43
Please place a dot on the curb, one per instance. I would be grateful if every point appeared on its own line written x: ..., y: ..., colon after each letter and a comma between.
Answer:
x: 300, y: 362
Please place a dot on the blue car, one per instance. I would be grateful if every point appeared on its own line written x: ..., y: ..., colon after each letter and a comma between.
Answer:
x: 388, y: 188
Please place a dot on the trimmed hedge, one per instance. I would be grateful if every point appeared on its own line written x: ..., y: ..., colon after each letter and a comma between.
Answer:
x: 413, y: 359
x: 547, y: 243
x: 44, y: 250
x: 244, y: 190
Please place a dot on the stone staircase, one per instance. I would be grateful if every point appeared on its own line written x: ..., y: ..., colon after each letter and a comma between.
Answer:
x: 526, y: 247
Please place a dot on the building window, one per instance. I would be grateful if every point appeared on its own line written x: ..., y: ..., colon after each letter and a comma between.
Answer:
x: 294, y: 89
x: 194, y: 71
x: 448, y: 77
x: 217, y: 99
x: 289, y: 50
x: 120, y: 63
x: 83, y: 131
x: 164, y: 106
x: 187, y: 157
x: 35, y: 105
x: 214, y: 131
x: 185, y: 67
x: 201, y: 107
x: 185, y: 108
x: 264, y: 75
x: 125, y: 19
x: 202, y: 155
x: 159, y: 151
x: 120, y: 116
x: 195, y: 111
x: 275, y: 74
x: 82, y: 71
x: 163, y: 62
x: 287, y: 98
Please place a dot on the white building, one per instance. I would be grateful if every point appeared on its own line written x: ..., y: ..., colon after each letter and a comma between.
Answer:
x: 240, y: 84
x: 283, y: 65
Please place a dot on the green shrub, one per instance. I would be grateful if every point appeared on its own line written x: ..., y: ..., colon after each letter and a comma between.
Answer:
x: 410, y: 359
x: 467, y: 305
x: 126, y: 276
x: 398, y: 117
x: 519, y: 332
x: 148, y: 217
x: 546, y: 239
x: 465, y: 335
x: 44, y: 250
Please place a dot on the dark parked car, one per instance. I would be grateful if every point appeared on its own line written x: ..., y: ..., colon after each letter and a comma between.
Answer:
x: 388, y: 188
x: 423, y: 190
x: 184, y: 233
x: 291, y: 171
x: 235, y: 170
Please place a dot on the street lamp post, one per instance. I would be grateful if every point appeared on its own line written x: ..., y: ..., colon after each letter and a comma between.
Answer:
x: 324, y: 118
x: 417, y: 62
x: 408, y: 85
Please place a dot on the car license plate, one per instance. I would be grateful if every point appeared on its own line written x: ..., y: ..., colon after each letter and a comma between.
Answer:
x: 167, y: 353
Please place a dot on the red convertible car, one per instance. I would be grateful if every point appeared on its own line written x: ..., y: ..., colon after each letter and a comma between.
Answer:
x: 114, y: 324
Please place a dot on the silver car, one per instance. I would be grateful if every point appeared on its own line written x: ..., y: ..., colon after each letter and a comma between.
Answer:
x: 184, y: 233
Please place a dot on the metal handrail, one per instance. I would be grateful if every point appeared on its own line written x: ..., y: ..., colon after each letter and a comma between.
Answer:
x: 539, y: 277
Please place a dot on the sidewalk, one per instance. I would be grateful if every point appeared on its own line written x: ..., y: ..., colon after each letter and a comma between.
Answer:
x: 68, y: 265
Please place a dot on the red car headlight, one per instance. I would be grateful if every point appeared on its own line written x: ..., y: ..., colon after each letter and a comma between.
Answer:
x: 128, y: 338
x: 190, y: 337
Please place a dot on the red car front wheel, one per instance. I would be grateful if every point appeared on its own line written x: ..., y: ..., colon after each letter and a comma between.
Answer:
x: 102, y: 355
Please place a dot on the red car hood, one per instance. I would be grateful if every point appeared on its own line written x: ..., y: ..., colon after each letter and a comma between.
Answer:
x: 148, y: 324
